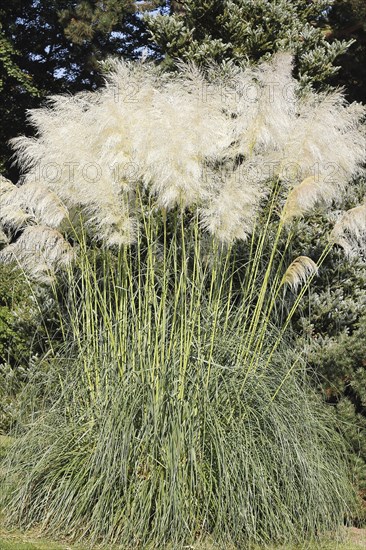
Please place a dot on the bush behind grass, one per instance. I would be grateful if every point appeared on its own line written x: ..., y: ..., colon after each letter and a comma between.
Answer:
x: 19, y: 317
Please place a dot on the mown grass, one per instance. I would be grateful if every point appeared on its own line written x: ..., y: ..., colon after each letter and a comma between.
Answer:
x: 14, y: 540
x: 6, y: 544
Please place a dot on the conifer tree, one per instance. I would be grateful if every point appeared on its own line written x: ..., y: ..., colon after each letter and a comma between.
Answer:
x: 49, y: 47
x: 347, y: 20
x: 243, y: 30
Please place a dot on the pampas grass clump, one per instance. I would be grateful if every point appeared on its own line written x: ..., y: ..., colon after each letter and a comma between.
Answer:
x: 164, y: 429
x: 155, y: 209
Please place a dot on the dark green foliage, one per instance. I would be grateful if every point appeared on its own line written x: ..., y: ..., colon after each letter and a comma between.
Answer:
x: 55, y: 46
x: 347, y: 20
x: 20, y: 336
x: 17, y: 316
x: 353, y: 425
x: 243, y: 30
x: 16, y: 87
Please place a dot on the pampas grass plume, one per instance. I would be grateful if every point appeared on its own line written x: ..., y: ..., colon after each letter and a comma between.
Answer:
x: 179, y: 143
x: 299, y: 271
x: 350, y: 231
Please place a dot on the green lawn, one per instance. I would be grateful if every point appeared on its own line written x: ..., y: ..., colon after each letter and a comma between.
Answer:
x: 6, y: 544
x: 17, y: 541
x: 11, y: 540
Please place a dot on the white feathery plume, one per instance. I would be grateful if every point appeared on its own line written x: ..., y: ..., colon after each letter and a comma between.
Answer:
x: 266, y: 106
x: 109, y: 220
x: 42, y: 204
x: 40, y: 251
x: 326, y: 141
x: 180, y: 134
x: 12, y: 213
x: 73, y: 166
x: 350, y: 231
x: 299, y: 271
x: 232, y: 209
x: 303, y: 197
x: 163, y: 131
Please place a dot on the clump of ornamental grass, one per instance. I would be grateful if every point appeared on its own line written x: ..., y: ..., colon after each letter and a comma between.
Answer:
x: 167, y: 428
x: 156, y: 209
